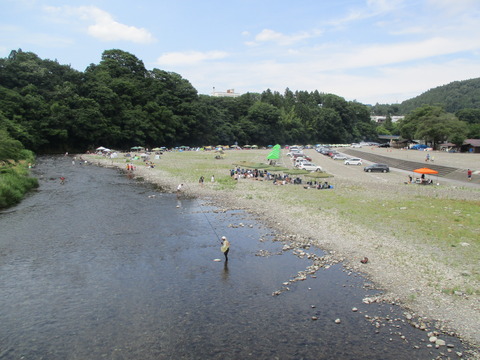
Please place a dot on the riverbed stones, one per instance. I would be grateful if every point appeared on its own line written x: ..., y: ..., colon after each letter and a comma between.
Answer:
x: 440, y: 342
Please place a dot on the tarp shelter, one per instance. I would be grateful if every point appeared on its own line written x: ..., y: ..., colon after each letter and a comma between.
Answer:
x: 275, y: 153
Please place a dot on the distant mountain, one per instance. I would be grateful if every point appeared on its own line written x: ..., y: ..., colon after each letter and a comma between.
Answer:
x: 455, y: 96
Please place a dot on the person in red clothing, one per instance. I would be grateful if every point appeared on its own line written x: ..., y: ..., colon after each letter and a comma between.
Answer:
x: 469, y: 175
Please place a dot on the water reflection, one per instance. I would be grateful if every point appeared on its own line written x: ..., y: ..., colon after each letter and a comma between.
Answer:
x: 225, y: 274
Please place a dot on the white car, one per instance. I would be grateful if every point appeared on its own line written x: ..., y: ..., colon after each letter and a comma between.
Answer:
x: 295, y: 152
x: 310, y: 167
x: 300, y: 161
x: 355, y: 145
x: 339, y: 157
x: 353, y: 161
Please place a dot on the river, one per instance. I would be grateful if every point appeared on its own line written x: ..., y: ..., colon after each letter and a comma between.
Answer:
x: 106, y: 267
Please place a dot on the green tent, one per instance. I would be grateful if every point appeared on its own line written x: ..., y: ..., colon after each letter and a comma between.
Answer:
x: 275, y: 153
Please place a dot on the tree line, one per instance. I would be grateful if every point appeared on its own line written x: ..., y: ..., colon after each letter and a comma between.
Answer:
x: 454, y: 97
x: 118, y: 103
x: 48, y: 107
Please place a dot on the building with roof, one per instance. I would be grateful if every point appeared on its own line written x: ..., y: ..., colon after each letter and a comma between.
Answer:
x: 471, y: 145
x: 228, y: 93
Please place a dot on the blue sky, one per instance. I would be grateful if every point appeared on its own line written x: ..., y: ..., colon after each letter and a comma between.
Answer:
x: 371, y: 51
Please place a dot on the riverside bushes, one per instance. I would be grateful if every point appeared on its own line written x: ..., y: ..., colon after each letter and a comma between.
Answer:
x: 15, y: 182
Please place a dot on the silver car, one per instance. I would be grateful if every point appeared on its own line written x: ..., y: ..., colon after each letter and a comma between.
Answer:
x: 353, y: 161
x: 310, y: 167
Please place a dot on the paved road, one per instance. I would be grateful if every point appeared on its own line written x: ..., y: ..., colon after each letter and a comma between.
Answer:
x: 459, y: 161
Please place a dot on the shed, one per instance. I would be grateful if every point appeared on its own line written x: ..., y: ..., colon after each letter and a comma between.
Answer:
x: 471, y: 145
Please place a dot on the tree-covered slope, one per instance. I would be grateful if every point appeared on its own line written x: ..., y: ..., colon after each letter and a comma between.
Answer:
x: 452, y: 97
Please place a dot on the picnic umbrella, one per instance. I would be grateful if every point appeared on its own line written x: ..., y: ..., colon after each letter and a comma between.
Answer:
x: 426, y: 171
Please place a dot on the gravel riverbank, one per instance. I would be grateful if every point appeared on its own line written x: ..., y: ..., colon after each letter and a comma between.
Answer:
x: 412, y: 273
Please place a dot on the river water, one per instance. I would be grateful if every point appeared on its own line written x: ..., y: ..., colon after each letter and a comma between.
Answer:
x: 106, y: 267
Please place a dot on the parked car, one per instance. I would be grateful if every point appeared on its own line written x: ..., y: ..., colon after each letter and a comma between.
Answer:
x: 299, y: 161
x: 355, y: 145
x: 353, y: 161
x: 377, y: 167
x: 295, y: 152
x: 310, y: 167
x: 339, y: 157
x: 301, y: 155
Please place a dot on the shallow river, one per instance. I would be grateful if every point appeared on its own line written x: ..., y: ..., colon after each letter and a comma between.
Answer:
x: 105, y: 267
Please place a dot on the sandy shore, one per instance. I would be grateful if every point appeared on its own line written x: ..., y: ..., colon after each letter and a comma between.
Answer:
x: 408, y: 272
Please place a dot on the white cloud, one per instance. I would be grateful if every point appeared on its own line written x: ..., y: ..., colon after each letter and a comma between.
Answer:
x: 189, y: 57
x: 452, y: 7
x: 378, y: 55
x: 268, y: 35
x: 383, y: 6
x: 388, y: 84
x: 374, y: 8
x: 19, y: 36
x: 103, y: 26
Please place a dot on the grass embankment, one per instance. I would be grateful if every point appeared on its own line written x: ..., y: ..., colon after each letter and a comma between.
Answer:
x: 444, y: 227
x: 15, y: 182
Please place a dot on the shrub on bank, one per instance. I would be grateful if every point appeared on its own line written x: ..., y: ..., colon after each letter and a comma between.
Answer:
x: 15, y: 180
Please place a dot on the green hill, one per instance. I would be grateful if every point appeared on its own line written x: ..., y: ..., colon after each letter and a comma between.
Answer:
x: 453, y: 97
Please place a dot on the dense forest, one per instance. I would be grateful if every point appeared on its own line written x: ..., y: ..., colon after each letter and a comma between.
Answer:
x: 118, y: 103
x: 453, y: 97
x: 47, y: 107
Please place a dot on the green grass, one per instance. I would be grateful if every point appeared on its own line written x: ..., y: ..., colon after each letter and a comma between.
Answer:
x: 442, y: 226
x: 15, y: 182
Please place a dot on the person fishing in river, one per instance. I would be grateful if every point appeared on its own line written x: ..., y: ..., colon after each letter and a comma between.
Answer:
x: 225, y: 247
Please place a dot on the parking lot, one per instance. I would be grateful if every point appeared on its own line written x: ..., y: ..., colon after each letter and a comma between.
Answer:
x: 460, y: 161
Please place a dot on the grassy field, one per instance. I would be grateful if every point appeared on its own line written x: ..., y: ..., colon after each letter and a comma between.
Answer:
x: 445, y: 227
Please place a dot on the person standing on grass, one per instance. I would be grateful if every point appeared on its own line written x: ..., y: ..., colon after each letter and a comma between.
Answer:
x: 225, y: 247
x: 212, y: 179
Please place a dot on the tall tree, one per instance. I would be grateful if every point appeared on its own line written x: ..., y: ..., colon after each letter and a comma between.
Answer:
x: 432, y: 124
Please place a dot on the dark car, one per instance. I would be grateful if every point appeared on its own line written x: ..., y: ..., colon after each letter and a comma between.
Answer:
x: 377, y: 167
